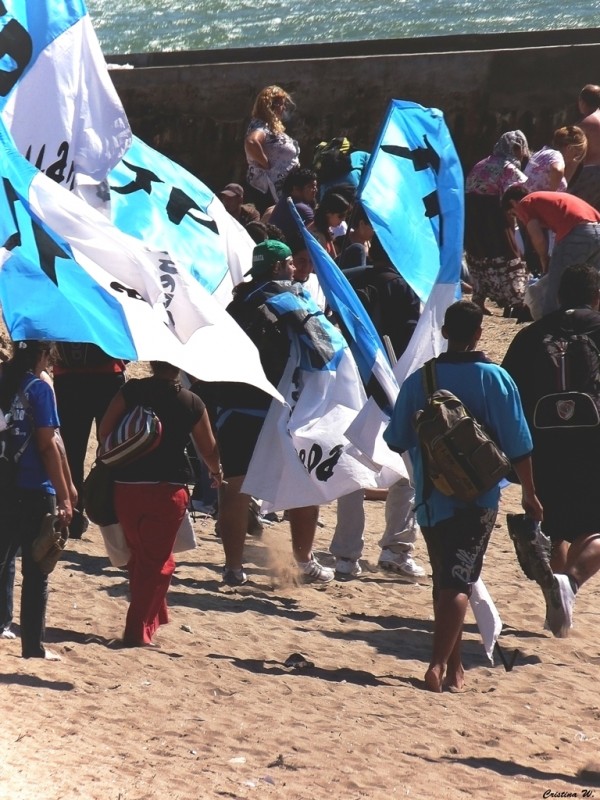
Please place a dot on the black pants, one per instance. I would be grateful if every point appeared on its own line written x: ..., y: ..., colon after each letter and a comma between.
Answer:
x: 20, y: 527
x: 82, y: 400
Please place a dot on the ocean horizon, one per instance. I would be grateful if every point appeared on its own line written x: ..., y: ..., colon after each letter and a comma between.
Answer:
x: 141, y: 26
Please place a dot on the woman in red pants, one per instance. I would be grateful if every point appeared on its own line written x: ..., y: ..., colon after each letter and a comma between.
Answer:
x: 151, y: 496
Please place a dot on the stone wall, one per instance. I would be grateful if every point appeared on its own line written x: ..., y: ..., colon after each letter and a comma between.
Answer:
x: 197, y: 113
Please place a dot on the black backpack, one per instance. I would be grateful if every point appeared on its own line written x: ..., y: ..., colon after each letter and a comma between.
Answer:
x: 331, y: 160
x: 574, y: 362
x: 9, y: 458
x: 459, y: 457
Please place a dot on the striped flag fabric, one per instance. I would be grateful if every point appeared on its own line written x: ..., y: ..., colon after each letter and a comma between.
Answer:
x: 56, y: 96
x: 303, y: 456
x: 161, y: 203
x: 365, y: 342
x: 69, y: 274
x: 413, y: 192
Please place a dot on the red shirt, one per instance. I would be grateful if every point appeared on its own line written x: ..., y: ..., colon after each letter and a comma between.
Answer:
x: 558, y: 211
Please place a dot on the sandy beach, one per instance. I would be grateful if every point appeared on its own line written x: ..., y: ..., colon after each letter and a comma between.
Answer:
x: 214, y: 712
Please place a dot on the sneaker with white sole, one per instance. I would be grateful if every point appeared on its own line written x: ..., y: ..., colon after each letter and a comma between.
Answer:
x: 401, y: 563
x: 313, y: 572
x: 7, y: 633
x: 347, y: 568
x: 560, y: 599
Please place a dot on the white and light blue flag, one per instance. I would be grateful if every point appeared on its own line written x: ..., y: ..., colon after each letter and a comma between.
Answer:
x: 159, y: 202
x: 56, y: 96
x: 302, y: 456
x: 68, y: 274
x: 413, y: 192
x: 365, y: 343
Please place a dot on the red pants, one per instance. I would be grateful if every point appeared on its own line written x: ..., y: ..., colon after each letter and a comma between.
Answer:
x: 150, y: 515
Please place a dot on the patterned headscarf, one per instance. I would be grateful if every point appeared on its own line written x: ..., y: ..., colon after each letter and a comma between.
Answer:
x: 505, y: 147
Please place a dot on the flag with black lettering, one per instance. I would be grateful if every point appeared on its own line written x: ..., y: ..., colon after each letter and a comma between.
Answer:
x: 303, y: 456
x: 56, y: 96
x: 161, y: 203
x: 68, y: 274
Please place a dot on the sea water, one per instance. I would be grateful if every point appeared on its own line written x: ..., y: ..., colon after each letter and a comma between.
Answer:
x: 142, y: 26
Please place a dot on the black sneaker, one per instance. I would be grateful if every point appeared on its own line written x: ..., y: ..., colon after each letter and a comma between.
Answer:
x: 532, y: 548
x: 234, y: 577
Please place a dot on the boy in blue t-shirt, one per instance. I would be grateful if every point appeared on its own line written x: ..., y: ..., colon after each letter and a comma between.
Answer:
x: 457, y: 533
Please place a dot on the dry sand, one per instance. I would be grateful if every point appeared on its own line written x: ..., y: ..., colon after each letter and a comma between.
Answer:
x: 214, y: 713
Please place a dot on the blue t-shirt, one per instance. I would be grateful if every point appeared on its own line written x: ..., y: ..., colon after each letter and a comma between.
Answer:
x: 38, y: 412
x: 490, y: 395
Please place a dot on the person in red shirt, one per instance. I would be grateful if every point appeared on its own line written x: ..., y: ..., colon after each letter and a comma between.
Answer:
x: 575, y: 223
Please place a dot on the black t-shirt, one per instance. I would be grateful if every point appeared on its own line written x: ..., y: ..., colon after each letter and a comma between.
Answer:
x: 178, y: 410
x: 390, y: 302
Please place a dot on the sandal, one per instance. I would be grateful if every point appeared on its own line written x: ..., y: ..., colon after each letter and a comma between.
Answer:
x: 47, y: 548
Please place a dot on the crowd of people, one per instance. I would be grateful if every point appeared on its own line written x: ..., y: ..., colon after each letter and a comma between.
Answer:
x: 529, y: 216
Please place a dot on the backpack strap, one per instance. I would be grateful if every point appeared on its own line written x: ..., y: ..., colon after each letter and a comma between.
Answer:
x: 23, y: 397
x: 429, y: 377
x: 429, y: 385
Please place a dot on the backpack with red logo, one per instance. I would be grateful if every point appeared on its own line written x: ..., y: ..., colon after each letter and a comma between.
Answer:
x: 575, y: 366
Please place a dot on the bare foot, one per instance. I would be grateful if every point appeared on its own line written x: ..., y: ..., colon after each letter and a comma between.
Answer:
x: 455, y: 680
x: 433, y: 679
x: 50, y: 655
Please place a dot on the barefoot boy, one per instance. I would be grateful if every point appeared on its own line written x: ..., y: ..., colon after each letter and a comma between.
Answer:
x: 457, y: 533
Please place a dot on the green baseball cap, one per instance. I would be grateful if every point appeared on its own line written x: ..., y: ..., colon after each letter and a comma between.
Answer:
x: 265, y: 255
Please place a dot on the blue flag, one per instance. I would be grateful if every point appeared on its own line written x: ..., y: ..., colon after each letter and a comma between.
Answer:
x: 56, y: 96
x: 365, y: 343
x: 413, y: 193
x: 159, y: 202
x: 69, y: 274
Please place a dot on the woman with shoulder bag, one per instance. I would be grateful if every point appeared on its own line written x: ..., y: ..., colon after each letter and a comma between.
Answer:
x: 43, y: 480
x: 151, y: 495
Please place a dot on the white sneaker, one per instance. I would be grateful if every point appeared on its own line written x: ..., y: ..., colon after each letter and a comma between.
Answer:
x: 313, y: 572
x: 347, y: 568
x: 401, y: 563
x: 560, y: 599
x: 7, y: 633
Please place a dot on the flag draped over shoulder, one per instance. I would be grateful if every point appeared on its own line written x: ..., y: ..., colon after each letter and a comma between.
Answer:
x: 68, y: 274
x: 365, y: 343
x: 413, y: 192
x: 159, y: 202
x: 365, y: 430
x: 302, y: 456
x: 56, y: 97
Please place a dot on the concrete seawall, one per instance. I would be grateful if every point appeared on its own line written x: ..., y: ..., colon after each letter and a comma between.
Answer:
x: 194, y: 107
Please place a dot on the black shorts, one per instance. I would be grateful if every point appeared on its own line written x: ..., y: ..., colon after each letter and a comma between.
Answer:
x: 456, y: 548
x: 566, y: 483
x: 237, y: 438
